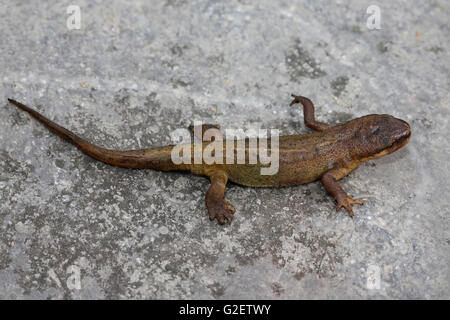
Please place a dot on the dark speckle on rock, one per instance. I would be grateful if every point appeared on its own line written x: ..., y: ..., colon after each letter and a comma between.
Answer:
x: 277, y: 289
x: 338, y: 85
x: 217, y: 290
x: 339, y: 117
x: 59, y: 163
x: 383, y: 46
x: 301, y: 63
x: 354, y: 29
x: 178, y: 50
x: 436, y: 49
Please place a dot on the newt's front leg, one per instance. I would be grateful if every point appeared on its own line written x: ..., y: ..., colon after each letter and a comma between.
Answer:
x: 330, y: 183
x: 218, y: 207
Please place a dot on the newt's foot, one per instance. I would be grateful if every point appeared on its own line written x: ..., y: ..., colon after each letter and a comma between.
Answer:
x: 221, y: 210
x: 297, y: 99
x: 347, y: 204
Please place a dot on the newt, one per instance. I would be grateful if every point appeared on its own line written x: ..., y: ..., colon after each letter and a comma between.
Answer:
x: 328, y: 154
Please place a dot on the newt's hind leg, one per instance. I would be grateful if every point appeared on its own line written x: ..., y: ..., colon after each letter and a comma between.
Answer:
x: 308, y: 113
x: 218, y: 207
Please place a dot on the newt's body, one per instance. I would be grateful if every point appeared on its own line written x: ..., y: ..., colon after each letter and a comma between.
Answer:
x: 329, y: 154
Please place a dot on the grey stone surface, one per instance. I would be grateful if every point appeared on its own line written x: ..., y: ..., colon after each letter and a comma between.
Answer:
x: 71, y: 227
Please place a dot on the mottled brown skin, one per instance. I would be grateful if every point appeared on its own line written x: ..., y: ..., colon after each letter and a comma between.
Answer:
x: 329, y: 155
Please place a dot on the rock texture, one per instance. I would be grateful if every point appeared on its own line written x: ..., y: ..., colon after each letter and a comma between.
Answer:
x: 71, y: 227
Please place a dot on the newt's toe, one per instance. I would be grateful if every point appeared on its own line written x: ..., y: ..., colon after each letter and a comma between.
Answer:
x: 229, y: 207
x: 296, y: 100
x: 222, y: 211
x: 346, y: 203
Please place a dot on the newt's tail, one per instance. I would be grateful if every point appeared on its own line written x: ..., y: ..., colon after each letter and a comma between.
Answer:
x: 155, y: 158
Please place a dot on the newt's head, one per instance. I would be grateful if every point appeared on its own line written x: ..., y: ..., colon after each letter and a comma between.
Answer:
x: 381, y: 134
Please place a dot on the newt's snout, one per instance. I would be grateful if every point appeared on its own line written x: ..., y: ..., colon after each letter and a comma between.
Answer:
x: 401, y: 133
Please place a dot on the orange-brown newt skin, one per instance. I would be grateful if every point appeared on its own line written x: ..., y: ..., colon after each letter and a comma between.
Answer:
x: 329, y: 154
